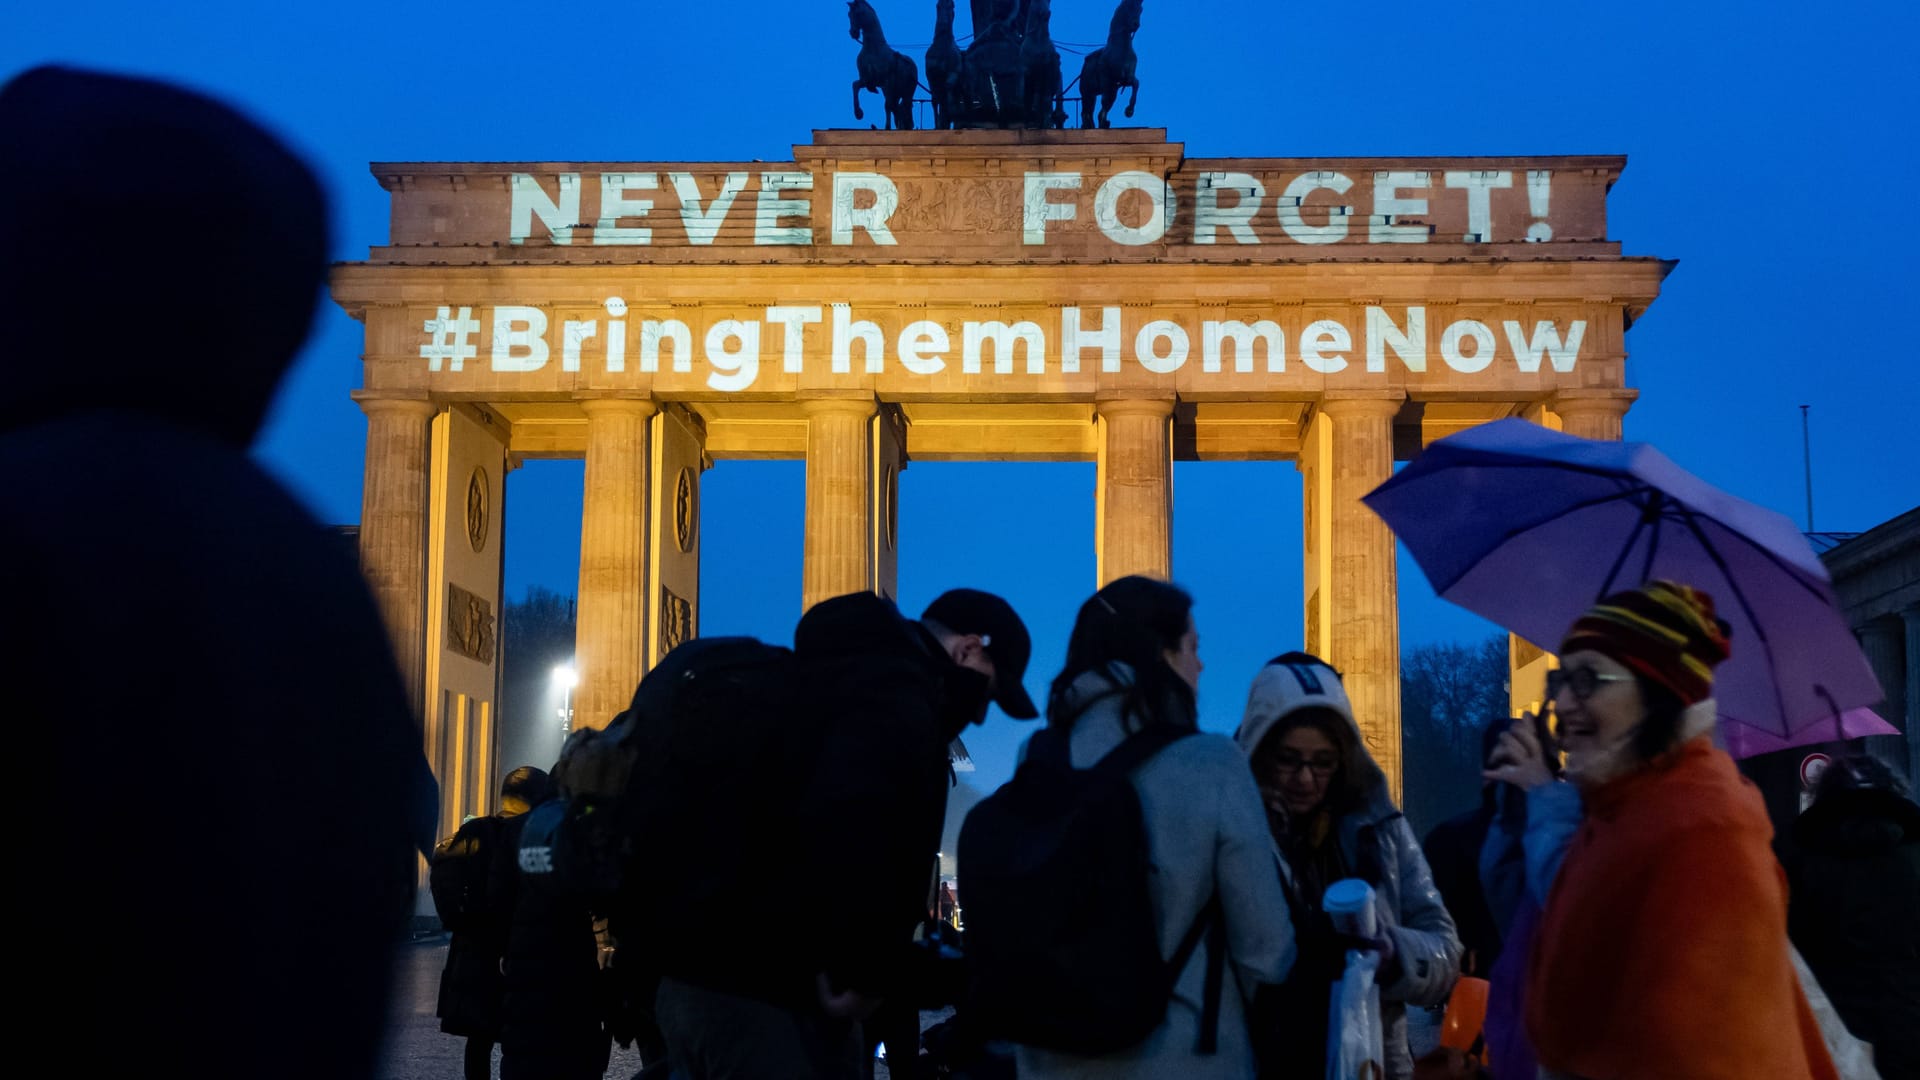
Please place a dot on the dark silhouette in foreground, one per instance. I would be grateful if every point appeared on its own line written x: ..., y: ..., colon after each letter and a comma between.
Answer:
x: 228, y: 854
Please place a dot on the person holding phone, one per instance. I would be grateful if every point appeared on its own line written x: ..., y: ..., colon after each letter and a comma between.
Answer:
x: 1661, y: 948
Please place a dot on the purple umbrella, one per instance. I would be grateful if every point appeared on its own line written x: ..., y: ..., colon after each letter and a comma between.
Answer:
x: 1745, y: 742
x: 1528, y: 527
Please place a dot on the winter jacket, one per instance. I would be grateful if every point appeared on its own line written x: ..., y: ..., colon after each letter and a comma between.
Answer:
x: 1853, y: 874
x: 871, y: 815
x: 1525, y: 846
x: 1662, y: 949
x: 553, y: 1010
x: 178, y: 626
x: 472, y: 985
x: 1377, y: 839
x: 1206, y: 837
x: 1453, y: 850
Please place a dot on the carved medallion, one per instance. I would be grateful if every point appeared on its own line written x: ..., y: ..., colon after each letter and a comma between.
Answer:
x: 469, y: 624
x: 686, y: 509
x: 478, y: 497
x: 676, y: 620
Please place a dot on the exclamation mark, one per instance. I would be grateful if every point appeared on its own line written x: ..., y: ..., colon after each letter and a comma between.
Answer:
x: 1539, y: 197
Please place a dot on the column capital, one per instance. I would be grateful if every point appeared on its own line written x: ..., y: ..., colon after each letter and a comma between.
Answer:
x: 1135, y: 406
x: 619, y: 405
x: 1362, y: 402
x: 416, y: 403
x: 1608, y: 401
x: 830, y: 403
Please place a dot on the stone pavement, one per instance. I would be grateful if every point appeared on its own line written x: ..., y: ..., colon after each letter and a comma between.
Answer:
x: 417, y: 1050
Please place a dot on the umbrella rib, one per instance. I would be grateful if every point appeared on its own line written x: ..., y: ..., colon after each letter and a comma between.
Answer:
x: 1639, y: 526
x: 1657, y: 509
x: 1753, y: 620
x: 1626, y: 492
x: 1769, y: 554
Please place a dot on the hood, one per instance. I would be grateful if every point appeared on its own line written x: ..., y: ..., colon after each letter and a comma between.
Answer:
x: 1283, y: 689
x: 159, y: 253
x: 858, y: 624
x: 860, y: 627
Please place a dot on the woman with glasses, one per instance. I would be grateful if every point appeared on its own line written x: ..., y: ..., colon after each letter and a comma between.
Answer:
x: 1661, y: 950
x: 1333, y: 817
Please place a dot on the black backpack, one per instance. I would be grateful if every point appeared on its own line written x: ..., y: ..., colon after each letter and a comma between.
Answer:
x: 721, y: 742
x: 1061, y: 939
x: 458, y: 877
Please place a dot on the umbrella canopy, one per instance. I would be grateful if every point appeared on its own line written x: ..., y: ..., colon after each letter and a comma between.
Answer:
x: 1745, y: 742
x: 1529, y: 527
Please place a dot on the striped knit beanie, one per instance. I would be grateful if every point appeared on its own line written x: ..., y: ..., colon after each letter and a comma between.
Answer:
x: 1662, y: 631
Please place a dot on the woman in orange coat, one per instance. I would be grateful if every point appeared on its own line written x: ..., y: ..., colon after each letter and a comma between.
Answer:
x: 1662, y: 951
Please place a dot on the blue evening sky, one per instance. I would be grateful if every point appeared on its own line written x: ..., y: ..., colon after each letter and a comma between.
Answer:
x: 1771, y: 151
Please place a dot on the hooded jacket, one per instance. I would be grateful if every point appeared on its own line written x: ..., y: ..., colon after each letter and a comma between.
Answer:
x: 239, y: 809
x: 1373, y: 835
x: 1206, y: 837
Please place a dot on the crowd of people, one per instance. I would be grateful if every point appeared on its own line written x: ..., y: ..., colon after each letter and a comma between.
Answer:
x: 1620, y: 887
x: 1624, y: 897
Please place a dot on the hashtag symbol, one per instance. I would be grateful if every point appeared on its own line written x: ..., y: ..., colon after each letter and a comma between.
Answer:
x: 452, y: 339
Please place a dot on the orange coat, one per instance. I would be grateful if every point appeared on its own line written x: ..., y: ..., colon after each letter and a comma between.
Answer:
x: 1663, y: 948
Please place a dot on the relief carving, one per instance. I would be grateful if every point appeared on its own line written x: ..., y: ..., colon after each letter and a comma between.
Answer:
x: 469, y: 624
x: 676, y: 620
x: 479, y: 499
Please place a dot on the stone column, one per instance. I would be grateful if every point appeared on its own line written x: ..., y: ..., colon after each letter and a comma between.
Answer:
x: 1347, y: 453
x: 839, y: 554
x: 1593, y: 414
x: 610, y: 636
x: 1133, y: 509
x: 1911, y: 722
x: 1884, y: 642
x: 393, y: 527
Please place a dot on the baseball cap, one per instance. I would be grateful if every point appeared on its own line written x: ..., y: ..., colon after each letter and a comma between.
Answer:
x: 970, y: 611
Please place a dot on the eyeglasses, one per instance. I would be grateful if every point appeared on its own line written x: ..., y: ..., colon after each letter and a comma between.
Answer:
x: 1581, y: 682
x: 1291, y: 764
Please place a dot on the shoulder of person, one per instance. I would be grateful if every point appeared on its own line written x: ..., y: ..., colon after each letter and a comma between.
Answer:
x: 1206, y: 750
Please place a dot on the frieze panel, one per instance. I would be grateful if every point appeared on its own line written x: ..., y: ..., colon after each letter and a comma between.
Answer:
x: 469, y: 624
x: 1081, y: 196
x: 676, y: 620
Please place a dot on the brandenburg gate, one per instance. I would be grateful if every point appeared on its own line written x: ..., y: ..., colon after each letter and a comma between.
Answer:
x: 946, y: 295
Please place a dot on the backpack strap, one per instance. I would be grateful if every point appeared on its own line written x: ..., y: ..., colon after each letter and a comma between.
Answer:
x: 1210, y: 925
x: 1054, y: 747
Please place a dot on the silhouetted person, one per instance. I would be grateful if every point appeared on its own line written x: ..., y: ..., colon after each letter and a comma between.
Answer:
x: 1453, y: 850
x: 476, y: 879
x: 552, y: 1025
x: 227, y: 858
x: 1853, y: 909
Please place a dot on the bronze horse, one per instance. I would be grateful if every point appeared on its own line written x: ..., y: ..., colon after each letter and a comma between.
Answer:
x: 944, y: 81
x: 993, y: 74
x: 886, y: 71
x: 1110, y: 69
x: 1042, y: 91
